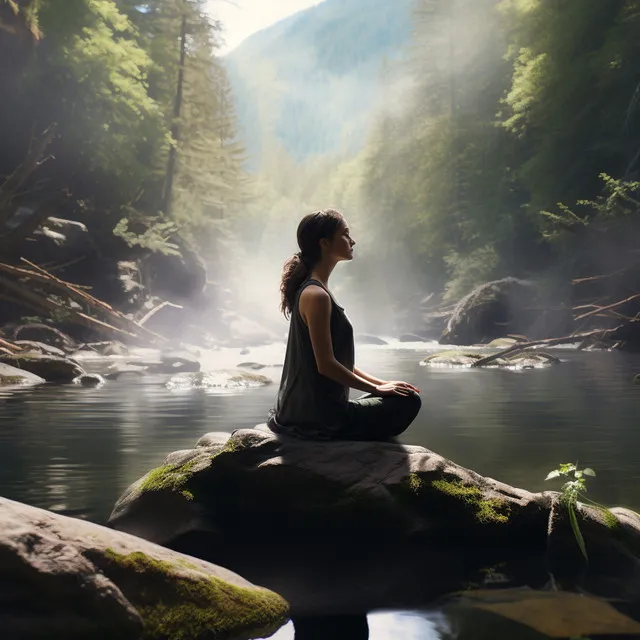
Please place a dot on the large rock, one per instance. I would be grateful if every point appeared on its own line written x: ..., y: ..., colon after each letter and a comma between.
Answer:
x: 51, y: 368
x: 45, y: 334
x: 502, y: 307
x: 415, y: 524
x: 67, y: 578
x: 10, y: 376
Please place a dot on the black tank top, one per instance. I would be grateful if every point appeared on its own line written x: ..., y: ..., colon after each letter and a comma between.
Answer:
x: 308, y: 404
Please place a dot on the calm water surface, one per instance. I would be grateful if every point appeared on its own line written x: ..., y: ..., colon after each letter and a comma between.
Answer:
x: 74, y: 450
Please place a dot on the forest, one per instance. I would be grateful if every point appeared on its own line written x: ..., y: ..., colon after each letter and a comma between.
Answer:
x: 513, y: 150
x: 509, y: 149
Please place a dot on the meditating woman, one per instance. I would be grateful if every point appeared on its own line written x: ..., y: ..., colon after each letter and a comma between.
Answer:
x: 319, y: 368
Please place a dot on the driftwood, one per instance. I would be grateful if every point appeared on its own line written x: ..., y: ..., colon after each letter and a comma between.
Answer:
x: 109, y: 322
x: 549, y: 342
x: 155, y: 310
x: 9, y: 346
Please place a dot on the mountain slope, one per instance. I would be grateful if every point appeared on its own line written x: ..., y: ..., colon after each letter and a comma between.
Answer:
x: 310, y: 82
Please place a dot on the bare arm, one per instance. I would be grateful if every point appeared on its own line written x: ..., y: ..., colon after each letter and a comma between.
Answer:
x: 315, y: 308
x: 367, y: 377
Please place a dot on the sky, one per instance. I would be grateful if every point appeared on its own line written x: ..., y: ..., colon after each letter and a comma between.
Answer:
x: 241, y: 18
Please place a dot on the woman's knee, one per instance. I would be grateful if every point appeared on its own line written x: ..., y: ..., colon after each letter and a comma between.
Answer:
x: 411, y: 405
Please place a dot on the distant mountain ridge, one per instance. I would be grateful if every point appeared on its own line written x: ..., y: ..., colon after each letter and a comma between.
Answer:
x: 310, y: 82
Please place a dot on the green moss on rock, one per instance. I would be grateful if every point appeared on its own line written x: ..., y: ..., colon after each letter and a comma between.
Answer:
x: 487, y: 510
x: 170, y: 477
x: 178, y: 606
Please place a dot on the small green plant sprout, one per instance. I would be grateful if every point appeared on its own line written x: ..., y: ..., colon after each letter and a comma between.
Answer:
x: 574, y: 488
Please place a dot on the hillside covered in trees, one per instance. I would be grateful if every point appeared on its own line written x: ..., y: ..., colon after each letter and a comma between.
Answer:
x: 465, y: 141
x: 507, y: 144
x: 310, y: 83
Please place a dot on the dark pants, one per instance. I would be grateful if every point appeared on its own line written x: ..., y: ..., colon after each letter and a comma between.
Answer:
x: 379, y: 418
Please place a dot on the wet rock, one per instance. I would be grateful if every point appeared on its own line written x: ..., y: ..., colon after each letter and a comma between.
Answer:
x: 10, y: 376
x: 39, y: 347
x: 411, y: 337
x: 229, y: 380
x: 528, y: 359
x: 108, y: 348
x: 255, y: 366
x: 89, y: 380
x: 51, y: 368
x: 118, y: 370
x: 345, y: 499
x: 75, y: 580
x: 179, y: 362
x: 501, y: 307
x: 503, y: 343
x: 365, y: 338
x: 175, y: 277
x: 45, y: 334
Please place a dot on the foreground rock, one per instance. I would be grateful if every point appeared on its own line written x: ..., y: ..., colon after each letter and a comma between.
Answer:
x: 415, y: 524
x: 10, y: 376
x: 501, y: 307
x: 75, y: 580
x: 51, y: 368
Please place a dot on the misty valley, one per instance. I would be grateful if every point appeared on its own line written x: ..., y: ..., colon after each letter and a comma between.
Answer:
x: 170, y: 210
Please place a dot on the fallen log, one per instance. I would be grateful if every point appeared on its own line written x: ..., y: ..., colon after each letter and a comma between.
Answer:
x: 114, y: 320
x: 549, y: 342
x: 9, y: 346
x: 42, y: 303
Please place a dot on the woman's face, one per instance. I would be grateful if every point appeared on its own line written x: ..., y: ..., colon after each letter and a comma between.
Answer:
x: 341, y: 245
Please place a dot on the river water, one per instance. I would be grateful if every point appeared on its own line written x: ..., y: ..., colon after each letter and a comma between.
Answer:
x: 74, y: 450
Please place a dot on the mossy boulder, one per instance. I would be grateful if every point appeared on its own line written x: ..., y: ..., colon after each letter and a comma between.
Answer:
x: 502, y: 307
x: 11, y: 376
x: 75, y: 580
x: 51, y: 368
x: 340, y: 498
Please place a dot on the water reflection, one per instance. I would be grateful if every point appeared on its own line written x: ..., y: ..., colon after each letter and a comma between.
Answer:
x: 75, y: 450
x: 388, y: 625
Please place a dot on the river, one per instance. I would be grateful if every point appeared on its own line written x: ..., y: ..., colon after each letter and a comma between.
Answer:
x: 74, y: 450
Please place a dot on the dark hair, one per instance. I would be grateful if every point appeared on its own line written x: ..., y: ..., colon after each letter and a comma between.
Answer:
x: 317, y: 225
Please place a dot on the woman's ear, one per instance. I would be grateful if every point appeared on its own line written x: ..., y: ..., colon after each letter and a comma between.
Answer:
x: 324, y: 243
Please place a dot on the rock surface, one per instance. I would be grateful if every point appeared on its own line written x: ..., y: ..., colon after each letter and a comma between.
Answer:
x: 45, y: 334
x: 51, y: 368
x: 231, y: 379
x: 10, y: 376
x: 73, y: 579
x: 501, y: 307
x: 528, y: 359
x: 341, y: 498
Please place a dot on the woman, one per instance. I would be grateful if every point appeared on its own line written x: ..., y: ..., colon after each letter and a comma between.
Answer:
x: 319, y: 368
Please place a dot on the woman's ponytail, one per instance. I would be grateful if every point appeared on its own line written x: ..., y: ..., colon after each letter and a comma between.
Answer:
x: 294, y: 273
x: 312, y: 228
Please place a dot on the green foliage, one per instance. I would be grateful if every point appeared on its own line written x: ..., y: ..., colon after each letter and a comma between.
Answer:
x: 155, y: 236
x: 574, y: 489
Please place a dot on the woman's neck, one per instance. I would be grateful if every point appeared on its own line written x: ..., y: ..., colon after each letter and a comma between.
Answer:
x: 321, y: 272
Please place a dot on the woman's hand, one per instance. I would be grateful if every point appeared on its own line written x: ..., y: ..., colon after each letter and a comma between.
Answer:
x: 395, y: 388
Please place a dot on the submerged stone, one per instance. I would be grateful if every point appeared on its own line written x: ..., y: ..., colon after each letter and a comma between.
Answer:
x: 224, y: 380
